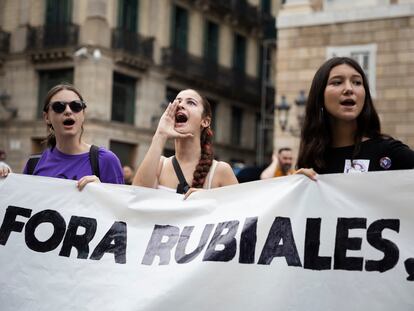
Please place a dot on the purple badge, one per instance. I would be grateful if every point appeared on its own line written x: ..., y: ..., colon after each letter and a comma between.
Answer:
x: 385, y: 163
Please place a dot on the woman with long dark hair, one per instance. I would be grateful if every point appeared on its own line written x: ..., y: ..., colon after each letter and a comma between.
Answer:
x: 67, y: 155
x: 187, y: 119
x: 342, y: 131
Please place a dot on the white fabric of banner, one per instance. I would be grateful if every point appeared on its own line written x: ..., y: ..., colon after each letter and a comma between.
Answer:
x: 345, y: 242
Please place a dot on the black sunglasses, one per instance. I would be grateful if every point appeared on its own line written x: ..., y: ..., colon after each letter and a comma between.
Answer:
x: 60, y: 106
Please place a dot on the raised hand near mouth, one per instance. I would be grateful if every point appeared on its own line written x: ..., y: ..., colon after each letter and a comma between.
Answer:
x: 166, y: 126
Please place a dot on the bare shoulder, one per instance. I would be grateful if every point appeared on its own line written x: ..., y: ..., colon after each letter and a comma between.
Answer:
x: 225, y: 175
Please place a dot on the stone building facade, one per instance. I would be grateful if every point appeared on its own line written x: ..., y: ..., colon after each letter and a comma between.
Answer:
x: 378, y: 33
x: 129, y: 58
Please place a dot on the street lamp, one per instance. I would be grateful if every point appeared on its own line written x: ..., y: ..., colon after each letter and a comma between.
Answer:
x: 283, y: 113
x: 300, y: 102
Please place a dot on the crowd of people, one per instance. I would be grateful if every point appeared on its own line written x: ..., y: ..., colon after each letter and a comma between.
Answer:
x: 341, y: 134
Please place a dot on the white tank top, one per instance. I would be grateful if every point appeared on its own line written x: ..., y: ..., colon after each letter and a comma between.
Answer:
x: 207, y: 184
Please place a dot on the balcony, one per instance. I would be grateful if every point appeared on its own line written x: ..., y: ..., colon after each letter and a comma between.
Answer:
x: 52, y: 36
x: 50, y: 43
x: 239, y: 12
x: 132, y: 49
x: 199, y: 72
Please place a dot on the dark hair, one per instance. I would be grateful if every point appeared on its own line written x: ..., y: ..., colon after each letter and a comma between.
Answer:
x: 284, y: 149
x: 206, y: 143
x: 316, y: 134
x: 51, y: 138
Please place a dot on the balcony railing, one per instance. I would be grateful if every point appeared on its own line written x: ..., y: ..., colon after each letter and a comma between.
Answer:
x: 52, y: 36
x: 133, y: 43
x: 242, y: 13
x: 4, y: 41
x: 198, y: 71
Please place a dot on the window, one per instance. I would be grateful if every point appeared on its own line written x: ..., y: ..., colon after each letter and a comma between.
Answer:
x: 179, y: 28
x: 128, y: 15
x: 58, y: 12
x: 47, y: 80
x: 239, y: 53
x: 264, y: 64
x: 236, y: 125
x: 123, y: 99
x: 124, y: 151
x: 365, y: 55
x: 211, y: 41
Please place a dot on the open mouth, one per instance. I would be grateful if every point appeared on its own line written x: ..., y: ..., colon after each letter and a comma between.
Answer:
x: 348, y: 102
x: 68, y: 122
x: 180, y: 118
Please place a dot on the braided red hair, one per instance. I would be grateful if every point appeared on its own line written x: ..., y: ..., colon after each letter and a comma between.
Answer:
x: 206, y: 158
x: 206, y: 143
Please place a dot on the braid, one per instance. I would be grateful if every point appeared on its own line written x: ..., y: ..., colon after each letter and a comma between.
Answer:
x: 206, y: 158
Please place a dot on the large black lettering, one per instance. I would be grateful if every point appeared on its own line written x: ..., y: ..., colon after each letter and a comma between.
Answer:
x: 78, y: 241
x: 59, y: 228
x: 248, y: 240
x: 312, y: 259
x: 390, y: 250
x: 227, y: 240
x: 156, y: 247
x: 114, y: 241
x: 343, y: 243
x: 10, y: 224
x: 180, y: 255
x: 281, y: 230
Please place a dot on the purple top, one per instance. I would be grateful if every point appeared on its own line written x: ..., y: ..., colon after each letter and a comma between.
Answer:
x: 54, y: 163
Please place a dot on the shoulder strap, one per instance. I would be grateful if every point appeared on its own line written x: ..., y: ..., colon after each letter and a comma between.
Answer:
x: 182, y: 186
x: 211, y: 174
x: 94, y: 159
x: 32, y: 162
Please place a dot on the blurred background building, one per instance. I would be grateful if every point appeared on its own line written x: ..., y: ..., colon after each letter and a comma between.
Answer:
x: 129, y: 58
x: 379, y: 34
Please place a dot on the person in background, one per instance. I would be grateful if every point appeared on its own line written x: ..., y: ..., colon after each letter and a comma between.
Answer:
x: 281, y: 164
x: 342, y: 131
x: 128, y: 174
x: 67, y: 155
x: 186, y: 120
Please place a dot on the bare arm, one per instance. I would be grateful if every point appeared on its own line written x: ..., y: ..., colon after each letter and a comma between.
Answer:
x: 148, y: 172
x: 226, y: 175
x: 269, y: 172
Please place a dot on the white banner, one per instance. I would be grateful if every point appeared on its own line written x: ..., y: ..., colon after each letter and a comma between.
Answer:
x: 345, y: 242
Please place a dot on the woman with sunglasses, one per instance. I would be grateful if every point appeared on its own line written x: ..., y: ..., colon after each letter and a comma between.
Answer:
x: 68, y: 156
